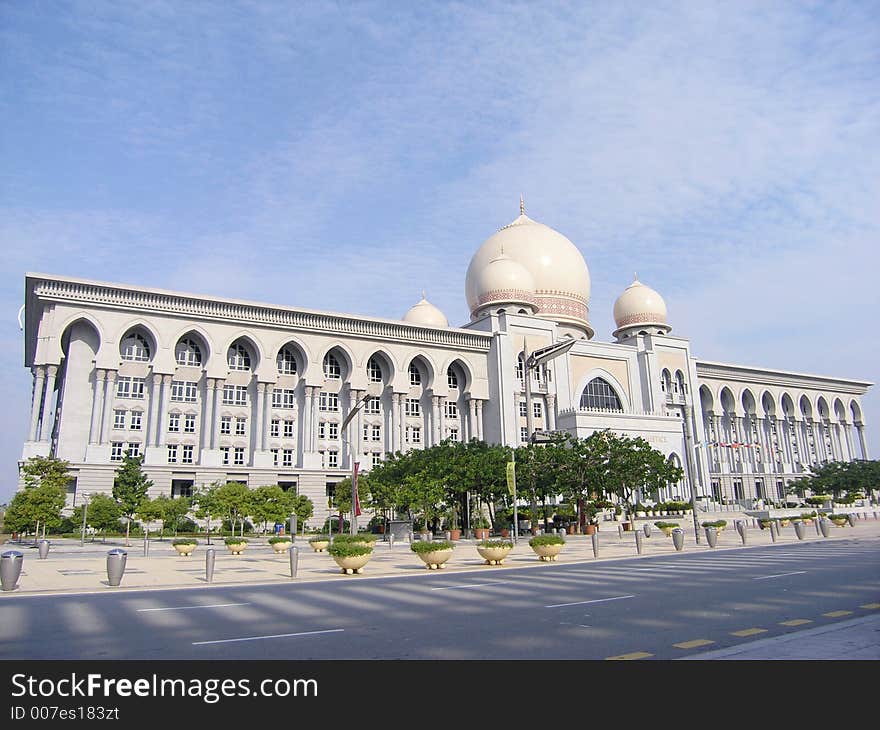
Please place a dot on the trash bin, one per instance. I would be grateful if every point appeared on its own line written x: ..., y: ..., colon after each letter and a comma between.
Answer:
x: 678, y: 538
x: 10, y: 569
x: 116, y: 566
x: 44, y: 549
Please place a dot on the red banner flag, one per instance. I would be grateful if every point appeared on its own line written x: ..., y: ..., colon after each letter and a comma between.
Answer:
x: 357, y: 501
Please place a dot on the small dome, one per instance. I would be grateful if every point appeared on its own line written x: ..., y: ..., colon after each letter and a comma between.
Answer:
x: 504, y: 280
x: 640, y: 306
x: 426, y: 314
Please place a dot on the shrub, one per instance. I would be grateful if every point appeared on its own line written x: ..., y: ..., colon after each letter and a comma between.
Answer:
x: 716, y: 523
x: 234, y: 540
x: 661, y: 525
x: 361, y: 538
x: 185, y: 541
x: 349, y: 549
x: 319, y: 538
x: 808, y: 515
x: 424, y: 546
x: 546, y: 540
x: 495, y: 544
x: 278, y: 538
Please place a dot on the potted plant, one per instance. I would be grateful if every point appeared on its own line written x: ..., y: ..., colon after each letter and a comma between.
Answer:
x: 434, y: 554
x: 481, y: 528
x: 719, y: 525
x: 280, y: 543
x: 547, y: 547
x: 350, y: 556
x: 839, y: 520
x: 320, y: 543
x: 494, y: 551
x: 185, y: 545
x: 454, y: 529
x: 666, y: 527
x: 591, y: 512
x: 235, y: 545
x: 361, y: 538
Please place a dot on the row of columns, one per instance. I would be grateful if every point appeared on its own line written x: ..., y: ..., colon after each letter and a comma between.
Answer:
x: 41, y: 399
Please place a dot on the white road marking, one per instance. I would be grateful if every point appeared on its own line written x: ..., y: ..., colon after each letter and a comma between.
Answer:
x: 581, y: 603
x: 272, y: 636
x: 187, y: 608
x: 471, y: 585
x: 780, y: 575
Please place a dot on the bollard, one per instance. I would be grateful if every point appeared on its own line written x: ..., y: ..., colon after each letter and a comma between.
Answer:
x: 773, y: 530
x: 638, y: 534
x: 210, y: 556
x: 711, y: 536
x: 678, y: 539
x: 44, y: 549
x: 293, y: 527
x: 851, y: 520
x: 594, y: 538
x: 620, y: 532
x: 799, y: 529
x: 647, y: 529
x: 294, y: 560
x: 391, y: 541
x: 741, y: 529
x: 448, y: 535
x: 430, y: 537
x: 10, y: 569
x: 116, y: 566
x: 817, y: 521
x: 825, y: 526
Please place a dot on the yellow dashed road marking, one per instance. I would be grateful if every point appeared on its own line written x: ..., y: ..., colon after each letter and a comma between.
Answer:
x: 693, y: 644
x: 836, y: 614
x: 634, y: 655
x: 748, y: 632
x: 870, y: 605
x: 796, y: 622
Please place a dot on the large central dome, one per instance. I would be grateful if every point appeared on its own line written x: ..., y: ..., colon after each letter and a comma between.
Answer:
x: 560, y: 274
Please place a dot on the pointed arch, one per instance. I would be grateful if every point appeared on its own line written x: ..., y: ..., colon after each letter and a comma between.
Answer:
x: 251, y: 344
x: 64, y: 332
x: 387, y: 366
x: 344, y: 358
x: 145, y: 329
x: 427, y: 364
x: 749, y: 404
x: 463, y: 374
x: 768, y: 403
x: 291, y: 358
x: 805, y: 407
x: 707, y: 399
x: 201, y: 339
x: 600, y: 390
x: 788, y: 408
x: 728, y: 402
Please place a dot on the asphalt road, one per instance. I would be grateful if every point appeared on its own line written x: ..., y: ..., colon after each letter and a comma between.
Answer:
x: 662, y: 608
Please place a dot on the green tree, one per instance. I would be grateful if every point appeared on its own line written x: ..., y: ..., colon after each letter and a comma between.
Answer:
x: 103, y: 514
x: 18, y: 516
x: 130, y: 489
x: 208, y: 506
x: 302, y: 507
x: 235, y: 503
x: 152, y: 510
x: 271, y: 503
x: 45, y: 471
x: 175, y: 509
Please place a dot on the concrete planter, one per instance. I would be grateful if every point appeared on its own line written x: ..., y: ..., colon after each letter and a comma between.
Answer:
x: 319, y: 546
x: 493, y: 555
x: 352, y: 564
x: 435, y: 559
x: 547, y: 552
x: 185, y: 550
x: 236, y: 548
x: 282, y: 546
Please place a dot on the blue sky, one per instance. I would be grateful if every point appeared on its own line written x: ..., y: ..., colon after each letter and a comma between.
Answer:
x: 346, y: 156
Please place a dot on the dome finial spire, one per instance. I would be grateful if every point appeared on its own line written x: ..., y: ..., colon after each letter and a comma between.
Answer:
x: 522, y: 205
x: 635, y: 276
x: 423, y: 294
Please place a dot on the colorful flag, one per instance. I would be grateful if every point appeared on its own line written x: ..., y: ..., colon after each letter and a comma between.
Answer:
x: 511, y: 476
x: 357, y: 501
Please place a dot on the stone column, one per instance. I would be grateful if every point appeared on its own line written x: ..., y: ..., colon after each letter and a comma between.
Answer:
x: 218, y: 402
x: 435, y: 420
x: 551, y: 412
x: 108, y: 406
x: 847, y: 435
x: 359, y: 428
x: 480, y: 419
x: 46, y: 422
x: 267, y: 416
x: 155, y: 397
x: 97, y: 407
x: 163, y: 408
x: 313, y: 429
x: 402, y: 421
x: 860, y: 430
x: 260, y: 408
x: 472, y: 420
x: 395, y: 422
x: 207, y: 426
x: 37, y: 402
x: 307, y: 419
x: 442, y: 411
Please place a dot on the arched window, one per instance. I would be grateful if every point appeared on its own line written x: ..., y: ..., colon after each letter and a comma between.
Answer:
x: 135, y: 347
x: 415, y: 377
x: 599, y: 395
x: 286, y: 362
x: 374, y: 371
x: 679, y: 381
x: 519, y: 368
x: 665, y: 382
x: 451, y: 378
x: 332, y: 370
x: 238, y: 357
x: 188, y: 353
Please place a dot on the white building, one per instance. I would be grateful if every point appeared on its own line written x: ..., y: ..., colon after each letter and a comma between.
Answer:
x: 210, y: 388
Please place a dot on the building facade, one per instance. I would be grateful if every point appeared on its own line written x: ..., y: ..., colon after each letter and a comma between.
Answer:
x: 210, y: 389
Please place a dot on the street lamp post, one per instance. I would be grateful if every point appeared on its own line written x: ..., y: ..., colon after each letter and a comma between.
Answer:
x: 82, y: 541
x: 351, y: 455
x: 688, y: 410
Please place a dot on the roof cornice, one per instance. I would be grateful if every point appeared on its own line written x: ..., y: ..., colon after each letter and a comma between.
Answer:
x: 766, y: 376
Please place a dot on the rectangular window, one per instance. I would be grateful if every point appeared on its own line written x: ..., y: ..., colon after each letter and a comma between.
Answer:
x: 130, y: 387
x: 187, y: 454
x: 224, y: 453
x: 287, y: 457
x: 189, y: 423
x: 274, y: 457
x: 119, y: 419
x: 289, y: 429
x: 283, y: 398
x: 275, y: 427
x: 414, y: 434
x: 174, y: 422
x: 413, y: 407
x: 226, y: 425
x: 183, y: 391
x: 172, y: 453
x: 453, y: 434
x: 537, y: 410
x: 524, y: 434
x: 333, y: 431
x: 371, y: 407
x: 134, y: 449
x: 240, y: 425
x: 377, y: 458
x: 116, y: 451
x: 377, y: 432
x: 136, y: 420
x: 332, y: 459
x: 322, y: 429
x: 451, y: 409
x: 366, y: 431
x: 235, y: 395
x: 328, y: 402
x: 238, y: 455
x: 523, y: 409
